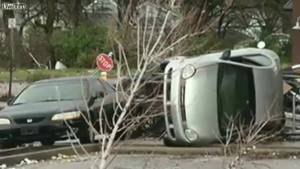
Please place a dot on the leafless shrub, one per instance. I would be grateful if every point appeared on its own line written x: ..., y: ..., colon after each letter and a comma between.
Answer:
x: 245, y: 137
x: 154, y: 40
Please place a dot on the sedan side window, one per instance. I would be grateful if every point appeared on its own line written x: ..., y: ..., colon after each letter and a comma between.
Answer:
x: 101, y: 87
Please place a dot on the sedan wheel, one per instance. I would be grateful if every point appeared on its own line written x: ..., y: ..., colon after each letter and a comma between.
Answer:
x: 7, y: 145
x: 88, y: 139
x: 47, y: 142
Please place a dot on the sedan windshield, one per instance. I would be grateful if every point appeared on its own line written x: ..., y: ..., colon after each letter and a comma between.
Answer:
x: 53, y: 92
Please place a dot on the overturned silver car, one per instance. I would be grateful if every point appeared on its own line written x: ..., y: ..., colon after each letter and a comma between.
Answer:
x: 203, y: 94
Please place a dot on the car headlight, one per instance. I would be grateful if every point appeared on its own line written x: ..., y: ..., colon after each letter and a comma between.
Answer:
x: 4, y: 121
x: 191, y: 134
x: 188, y: 71
x: 66, y: 116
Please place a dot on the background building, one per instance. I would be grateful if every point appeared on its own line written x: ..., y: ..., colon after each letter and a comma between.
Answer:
x: 294, y: 7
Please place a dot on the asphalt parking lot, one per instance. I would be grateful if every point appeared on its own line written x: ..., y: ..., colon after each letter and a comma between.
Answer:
x: 150, y: 153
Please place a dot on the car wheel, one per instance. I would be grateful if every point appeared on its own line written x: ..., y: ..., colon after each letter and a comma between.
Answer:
x: 168, y: 142
x: 88, y: 139
x: 7, y: 145
x: 48, y: 142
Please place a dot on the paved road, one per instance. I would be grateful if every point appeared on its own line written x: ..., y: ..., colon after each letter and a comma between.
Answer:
x: 171, y: 160
x: 166, y: 162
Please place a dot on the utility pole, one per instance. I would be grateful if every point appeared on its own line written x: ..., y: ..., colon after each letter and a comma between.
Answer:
x: 11, y: 26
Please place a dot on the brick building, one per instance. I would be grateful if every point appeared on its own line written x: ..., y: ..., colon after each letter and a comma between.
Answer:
x: 294, y: 7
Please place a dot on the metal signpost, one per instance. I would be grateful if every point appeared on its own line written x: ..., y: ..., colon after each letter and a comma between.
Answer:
x: 12, y: 26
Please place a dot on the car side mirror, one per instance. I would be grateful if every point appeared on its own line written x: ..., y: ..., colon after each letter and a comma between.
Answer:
x: 226, y: 55
x: 10, y: 100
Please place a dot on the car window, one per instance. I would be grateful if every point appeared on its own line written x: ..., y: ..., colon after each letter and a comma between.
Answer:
x: 103, y: 86
x: 236, y: 95
x: 53, y: 92
x: 257, y: 60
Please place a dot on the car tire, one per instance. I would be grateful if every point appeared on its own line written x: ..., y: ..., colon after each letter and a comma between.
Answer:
x: 7, y: 145
x: 48, y: 142
x: 168, y: 142
x: 88, y: 139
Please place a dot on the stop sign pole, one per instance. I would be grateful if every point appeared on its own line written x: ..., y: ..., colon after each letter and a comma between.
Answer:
x: 12, y: 26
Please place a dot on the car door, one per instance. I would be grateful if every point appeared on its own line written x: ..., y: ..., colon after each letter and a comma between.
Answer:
x: 104, y: 104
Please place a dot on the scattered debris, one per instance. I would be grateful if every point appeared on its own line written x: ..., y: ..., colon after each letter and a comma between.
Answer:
x: 60, y: 157
x: 27, y: 161
x: 235, y: 163
x: 3, y: 166
x: 60, y: 66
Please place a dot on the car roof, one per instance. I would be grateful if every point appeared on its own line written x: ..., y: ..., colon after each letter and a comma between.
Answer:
x: 111, y: 82
x: 65, y: 79
x: 211, y: 58
x: 234, y: 53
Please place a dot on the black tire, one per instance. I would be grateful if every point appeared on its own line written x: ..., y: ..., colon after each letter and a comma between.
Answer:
x: 90, y: 138
x: 170, y: 143
x: 49, y: 142
x: 7, y: 145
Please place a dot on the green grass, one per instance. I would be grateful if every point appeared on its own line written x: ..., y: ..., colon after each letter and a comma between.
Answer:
x: 31, y: 75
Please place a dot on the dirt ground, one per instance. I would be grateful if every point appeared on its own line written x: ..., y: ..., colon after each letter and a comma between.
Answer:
x: 167, y: 162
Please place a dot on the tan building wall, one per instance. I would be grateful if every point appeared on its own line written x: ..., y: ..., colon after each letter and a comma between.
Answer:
x: 296, y: 33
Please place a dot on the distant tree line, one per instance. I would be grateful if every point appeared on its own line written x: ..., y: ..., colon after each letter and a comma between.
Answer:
x: 75, y: 31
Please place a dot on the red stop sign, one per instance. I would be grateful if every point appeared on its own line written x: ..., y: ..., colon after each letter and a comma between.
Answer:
x: 104, y: 63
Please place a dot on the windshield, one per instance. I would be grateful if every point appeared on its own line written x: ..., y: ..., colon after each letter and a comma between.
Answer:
x: 236, y: 95
x: 53, y: 92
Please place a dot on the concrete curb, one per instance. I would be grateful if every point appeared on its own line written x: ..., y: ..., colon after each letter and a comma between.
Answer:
x: 46, y: 154
x: 20, y: 150
x: 198, y: 151
x: 260, y: 152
